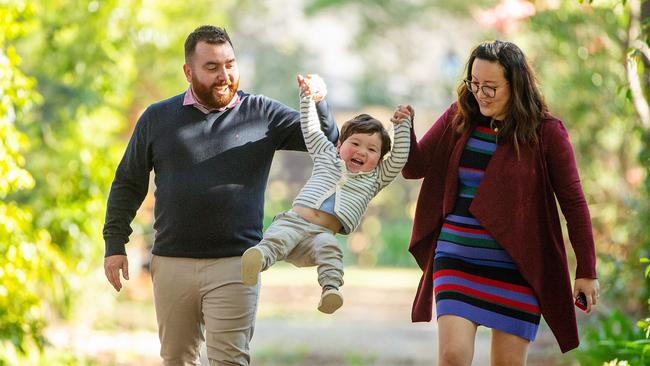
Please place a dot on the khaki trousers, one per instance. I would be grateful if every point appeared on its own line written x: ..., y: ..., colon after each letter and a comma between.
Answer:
x: 203, y: 300
x: 303, y: 244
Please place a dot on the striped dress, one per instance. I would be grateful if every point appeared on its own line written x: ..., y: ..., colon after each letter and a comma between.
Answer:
x: 474, y: 278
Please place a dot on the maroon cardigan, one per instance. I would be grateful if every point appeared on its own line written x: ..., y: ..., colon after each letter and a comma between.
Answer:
x: 516, y: 204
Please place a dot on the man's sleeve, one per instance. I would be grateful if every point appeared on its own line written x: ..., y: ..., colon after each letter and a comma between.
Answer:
x: 284, y: 124
x: 128, y: 190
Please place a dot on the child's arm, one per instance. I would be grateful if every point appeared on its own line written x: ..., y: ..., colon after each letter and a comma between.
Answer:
x: 312, y: 90
x: 391, y: 166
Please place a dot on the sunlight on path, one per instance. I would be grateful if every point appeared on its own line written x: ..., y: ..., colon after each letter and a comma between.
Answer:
x: 372, y: 328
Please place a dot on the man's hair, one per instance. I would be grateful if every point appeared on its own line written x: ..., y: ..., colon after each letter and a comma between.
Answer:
x: 366, y: 124
x: 205, y: 33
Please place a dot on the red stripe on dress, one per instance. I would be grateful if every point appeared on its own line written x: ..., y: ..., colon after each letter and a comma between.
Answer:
x: 486, y: 296
x: 465, y: 230
x: 471, y: 169
x: 483, y: 280
x: 486, y: 130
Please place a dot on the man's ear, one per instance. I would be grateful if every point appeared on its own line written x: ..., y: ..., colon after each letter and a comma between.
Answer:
x: 188, y: 72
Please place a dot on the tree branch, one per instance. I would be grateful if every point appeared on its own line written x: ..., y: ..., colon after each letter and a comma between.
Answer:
x: 634, y: 41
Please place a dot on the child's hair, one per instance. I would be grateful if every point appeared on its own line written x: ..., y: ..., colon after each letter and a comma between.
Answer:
x: 366, y: 124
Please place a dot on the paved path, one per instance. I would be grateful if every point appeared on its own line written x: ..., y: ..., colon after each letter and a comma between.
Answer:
x: 372, y: 328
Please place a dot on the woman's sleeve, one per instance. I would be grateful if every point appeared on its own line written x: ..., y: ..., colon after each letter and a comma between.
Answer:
x: 565, y: 179
x: 421, y: 152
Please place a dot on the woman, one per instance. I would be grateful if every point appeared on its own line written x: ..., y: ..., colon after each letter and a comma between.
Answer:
x: 486, y: 231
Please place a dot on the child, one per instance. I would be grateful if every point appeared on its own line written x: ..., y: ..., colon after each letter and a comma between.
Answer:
x: 344, y: 179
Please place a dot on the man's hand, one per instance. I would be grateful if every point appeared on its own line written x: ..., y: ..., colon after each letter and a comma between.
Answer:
x: 112, y: 266
x: 402, y: 112
x: 312, y: 86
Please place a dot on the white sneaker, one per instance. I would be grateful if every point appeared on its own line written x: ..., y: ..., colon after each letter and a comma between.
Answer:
x: 330, y: 300
x: 251, y: 265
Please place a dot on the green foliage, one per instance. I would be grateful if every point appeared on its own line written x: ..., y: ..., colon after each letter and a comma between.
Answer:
x: 84, y: 64
x: 392, y: 250
x: 31, y: 268
x: 62, y: 136
x: 616, y: 337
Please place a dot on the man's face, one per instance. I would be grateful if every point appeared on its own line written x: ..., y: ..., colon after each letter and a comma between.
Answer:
x: 214, y: 74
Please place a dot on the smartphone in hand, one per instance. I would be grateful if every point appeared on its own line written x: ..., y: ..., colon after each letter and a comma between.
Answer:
x: 581, y: 301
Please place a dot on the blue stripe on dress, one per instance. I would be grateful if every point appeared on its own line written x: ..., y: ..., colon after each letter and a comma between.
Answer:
x: 475, y: 143
x: 463, y: 220
x: 487, y: 318
x: 480, y: 262
x: 474, y: 252
x: 471, y: 178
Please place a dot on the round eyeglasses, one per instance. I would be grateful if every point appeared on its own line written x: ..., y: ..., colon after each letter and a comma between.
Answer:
x: 473, y: 86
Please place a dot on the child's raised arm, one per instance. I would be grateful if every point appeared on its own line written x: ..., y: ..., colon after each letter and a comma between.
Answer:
x: 313, y: 89
x: 393, y: 164
x: 312, y: 86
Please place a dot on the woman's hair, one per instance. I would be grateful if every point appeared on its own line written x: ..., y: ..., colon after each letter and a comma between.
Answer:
x: 366, y: 124
x: 525, y: 108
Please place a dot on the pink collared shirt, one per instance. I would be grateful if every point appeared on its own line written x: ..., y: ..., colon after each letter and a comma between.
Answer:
x: 190, y: 99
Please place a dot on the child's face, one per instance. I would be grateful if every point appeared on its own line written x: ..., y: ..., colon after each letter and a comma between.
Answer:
x: 360, y: 152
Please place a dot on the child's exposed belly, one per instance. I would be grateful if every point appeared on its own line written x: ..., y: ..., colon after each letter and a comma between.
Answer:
x: 319, y: 217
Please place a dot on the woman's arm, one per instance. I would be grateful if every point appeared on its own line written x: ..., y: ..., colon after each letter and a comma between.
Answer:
x: 565, y: 180
x: 421, y: 152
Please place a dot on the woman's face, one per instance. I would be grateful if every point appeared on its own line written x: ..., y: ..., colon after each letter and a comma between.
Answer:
x: 490, y: 76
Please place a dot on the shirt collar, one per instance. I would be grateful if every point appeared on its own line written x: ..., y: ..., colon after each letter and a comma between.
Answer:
x: 190, y: 99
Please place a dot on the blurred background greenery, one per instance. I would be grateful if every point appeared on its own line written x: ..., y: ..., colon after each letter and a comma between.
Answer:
x: 76, y: 74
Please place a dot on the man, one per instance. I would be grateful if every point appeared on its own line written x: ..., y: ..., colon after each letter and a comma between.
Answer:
x: 211, y: 149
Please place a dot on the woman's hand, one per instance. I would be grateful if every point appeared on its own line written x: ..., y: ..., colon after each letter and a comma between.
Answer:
x: 312, y: 86
x: 401, y: 113
x: 589, y: 287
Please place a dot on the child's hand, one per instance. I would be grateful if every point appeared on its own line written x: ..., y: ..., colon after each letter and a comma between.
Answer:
x: 402, y: 112
x: 312, y: 86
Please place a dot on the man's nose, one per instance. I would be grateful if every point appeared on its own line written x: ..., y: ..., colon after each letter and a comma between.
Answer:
x: 222, y: 74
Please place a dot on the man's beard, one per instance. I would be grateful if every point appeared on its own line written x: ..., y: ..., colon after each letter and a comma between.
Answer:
x: 208, y: 97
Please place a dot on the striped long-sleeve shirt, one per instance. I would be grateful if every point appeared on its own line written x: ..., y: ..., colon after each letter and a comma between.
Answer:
x: 353, y: 191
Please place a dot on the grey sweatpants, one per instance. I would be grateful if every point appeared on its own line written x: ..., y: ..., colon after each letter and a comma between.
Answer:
x: 303, y: 244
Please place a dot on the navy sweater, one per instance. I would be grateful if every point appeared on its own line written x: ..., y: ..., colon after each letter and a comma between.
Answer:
x: 210, y: 174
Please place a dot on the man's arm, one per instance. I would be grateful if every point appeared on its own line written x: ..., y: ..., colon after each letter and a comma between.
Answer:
x: 128, y: 190
x: 284, y: 124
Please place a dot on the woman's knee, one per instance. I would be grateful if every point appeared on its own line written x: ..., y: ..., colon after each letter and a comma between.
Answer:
x: 454, y: 355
